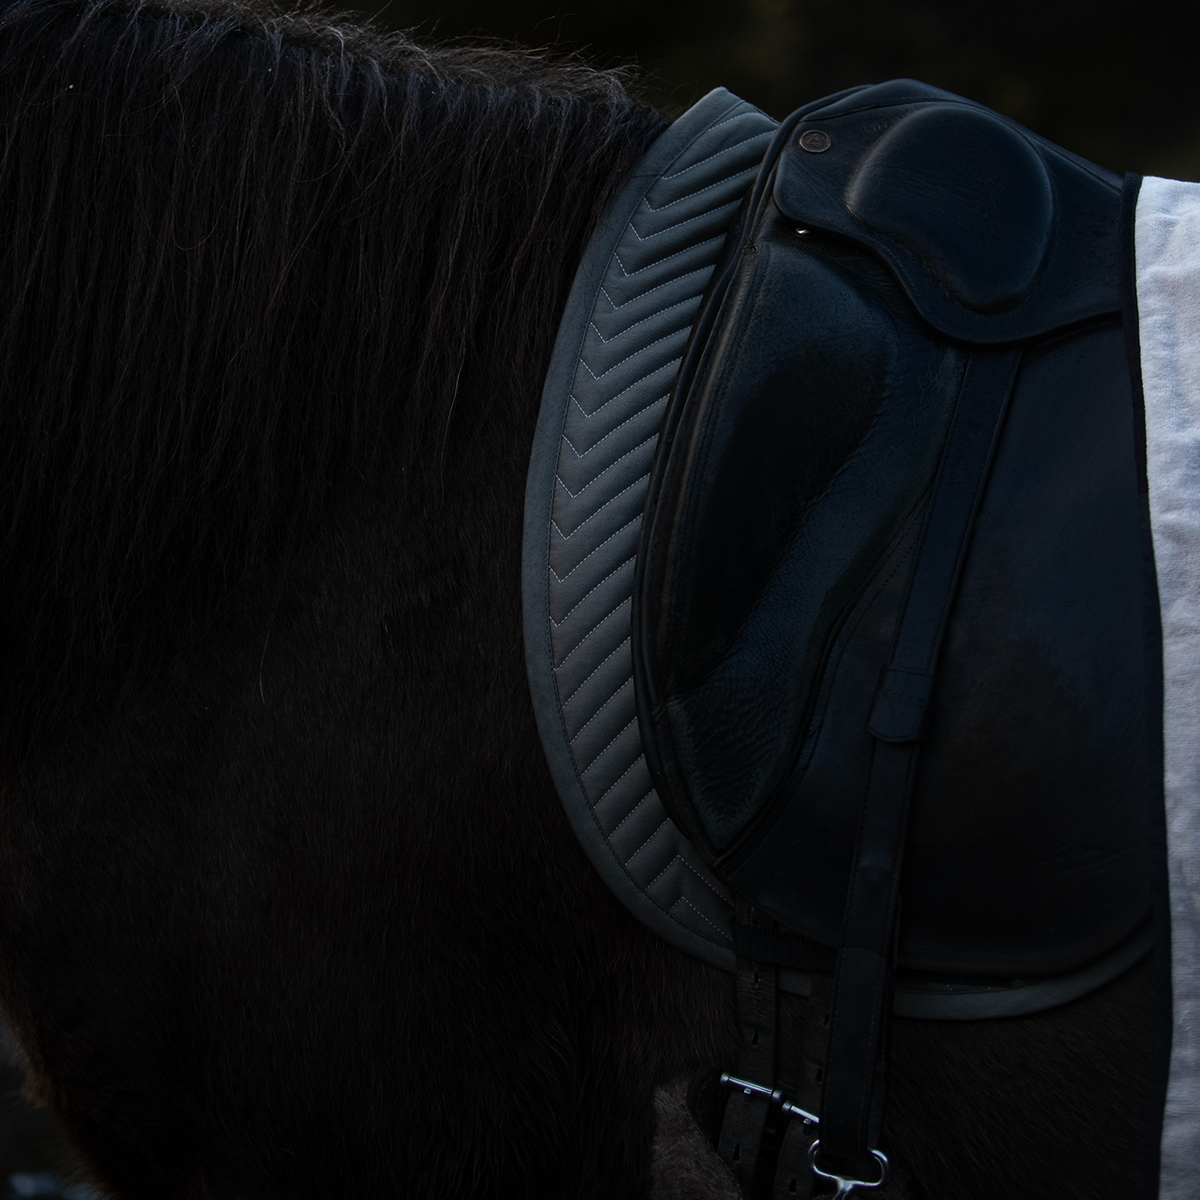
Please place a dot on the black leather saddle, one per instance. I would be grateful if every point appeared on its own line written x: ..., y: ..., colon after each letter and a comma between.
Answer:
x: 889, y: 644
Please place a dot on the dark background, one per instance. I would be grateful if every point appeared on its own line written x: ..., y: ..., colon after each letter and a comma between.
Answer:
x: 1113, y: 81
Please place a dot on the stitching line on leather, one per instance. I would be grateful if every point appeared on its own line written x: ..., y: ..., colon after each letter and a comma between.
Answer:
x: 601, y: 708
x: 674, y: 363
x: 641, y: 800
x: 566, y: 537
x: 566, y: 616
x: 734, y: 177
x: 707, y: 884
x: 632, y: 721
x: 640, y: 321
x: 633, y: 354
x: 664, y: 821
x: 592, y: 672
x: 640, y: 757
x: 737, y: 115
x: 625, y: 599
x: 600, y: 475
x: 615, y: 429
x: 681, y: 898
x: 649, y: 291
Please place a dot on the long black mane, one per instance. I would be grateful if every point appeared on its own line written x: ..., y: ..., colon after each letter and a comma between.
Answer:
x: 248, y: 264
x: 287, y: 903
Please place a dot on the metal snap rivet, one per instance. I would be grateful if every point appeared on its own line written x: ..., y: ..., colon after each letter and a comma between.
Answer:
x: 815, y: 141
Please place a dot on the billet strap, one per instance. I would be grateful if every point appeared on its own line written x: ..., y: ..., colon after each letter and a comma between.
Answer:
x: 766, y: 1131
x: 851, y: 1115
x: 793, y: 1178
x: 748, y: 1110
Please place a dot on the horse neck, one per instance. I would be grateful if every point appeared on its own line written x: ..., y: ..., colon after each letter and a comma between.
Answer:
x: 248, y: 277
x: 275, y: 805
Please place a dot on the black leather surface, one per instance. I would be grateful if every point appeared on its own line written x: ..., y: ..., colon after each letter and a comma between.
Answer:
x: 997, y: 235
x: 803, y: 441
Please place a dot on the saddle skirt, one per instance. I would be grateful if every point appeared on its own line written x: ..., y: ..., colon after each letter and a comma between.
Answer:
x: 749, y: 570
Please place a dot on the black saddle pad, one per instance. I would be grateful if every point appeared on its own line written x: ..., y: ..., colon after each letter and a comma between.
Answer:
x: 896, y: 229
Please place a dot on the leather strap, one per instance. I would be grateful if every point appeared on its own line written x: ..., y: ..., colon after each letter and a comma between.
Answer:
x: 850, y: 1121
x: 793, y: 1179
x: 742, y: 1139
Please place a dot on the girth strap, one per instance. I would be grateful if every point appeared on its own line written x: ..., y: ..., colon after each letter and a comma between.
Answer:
x: 743, y: 1139
x: 852, y: 1108
x: 793, y: 1178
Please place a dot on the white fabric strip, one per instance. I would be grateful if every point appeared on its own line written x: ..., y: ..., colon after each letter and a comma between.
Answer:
x: 1167, y: 249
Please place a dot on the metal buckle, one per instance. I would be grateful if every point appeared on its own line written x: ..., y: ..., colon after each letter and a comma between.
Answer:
x: 750, y: 1088
x: 845, y: 1184
x: 804, y: 1115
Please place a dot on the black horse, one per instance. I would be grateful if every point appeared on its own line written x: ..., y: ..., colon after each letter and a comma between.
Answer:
x: 288, y: 906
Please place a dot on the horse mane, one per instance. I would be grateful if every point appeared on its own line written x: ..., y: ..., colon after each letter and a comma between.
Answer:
x: 250, y: 263
x: 287, y: 902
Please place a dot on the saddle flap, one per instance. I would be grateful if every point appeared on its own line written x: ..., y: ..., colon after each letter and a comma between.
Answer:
x: 798, y: 454
x: 979, y: 219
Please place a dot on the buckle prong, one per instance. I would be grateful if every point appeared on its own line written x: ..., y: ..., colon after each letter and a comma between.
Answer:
x: 749, y: 1088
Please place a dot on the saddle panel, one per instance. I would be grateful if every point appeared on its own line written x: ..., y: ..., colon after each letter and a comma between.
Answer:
x: 783, y: 514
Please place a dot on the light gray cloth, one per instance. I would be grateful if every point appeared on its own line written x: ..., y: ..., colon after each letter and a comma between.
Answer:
x: 1167, y: 248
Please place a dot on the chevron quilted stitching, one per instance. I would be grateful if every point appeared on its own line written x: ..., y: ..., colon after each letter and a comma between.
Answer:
x: 677, y: 859
x: 575, y: 631
x: 601, y: 469
x: 716, y: 185
x: 631, y: 349
x: 605, y: 683
x: 653, y: 834
x: 665, y: 371
x: 622, y: 692
x: 646, y: 864
x: 590, y: 458
x: 596, y: 668
x: 646, y: 297
x: 582, y: 450
x: 628, y: 329
x: 598, y: 584
x: 597, y: 376
x: 613, y: 813
x: 663, y: 263
x: 677, y: 226
x: 699, y: 198
x: 605, y: 546
x: 612, y: 356
x: 613, y: 619
x: 600, y: 767
x: 746, y: 116
x: 621, y: 802
x: 605, y: 520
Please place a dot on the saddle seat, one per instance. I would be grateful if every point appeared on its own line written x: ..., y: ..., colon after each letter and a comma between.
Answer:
x: 896, y: 233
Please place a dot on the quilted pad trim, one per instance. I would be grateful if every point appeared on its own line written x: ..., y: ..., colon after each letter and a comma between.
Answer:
x: 619, y: 346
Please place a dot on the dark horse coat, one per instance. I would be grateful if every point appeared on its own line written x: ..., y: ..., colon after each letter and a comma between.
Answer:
x: 288, y: 906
